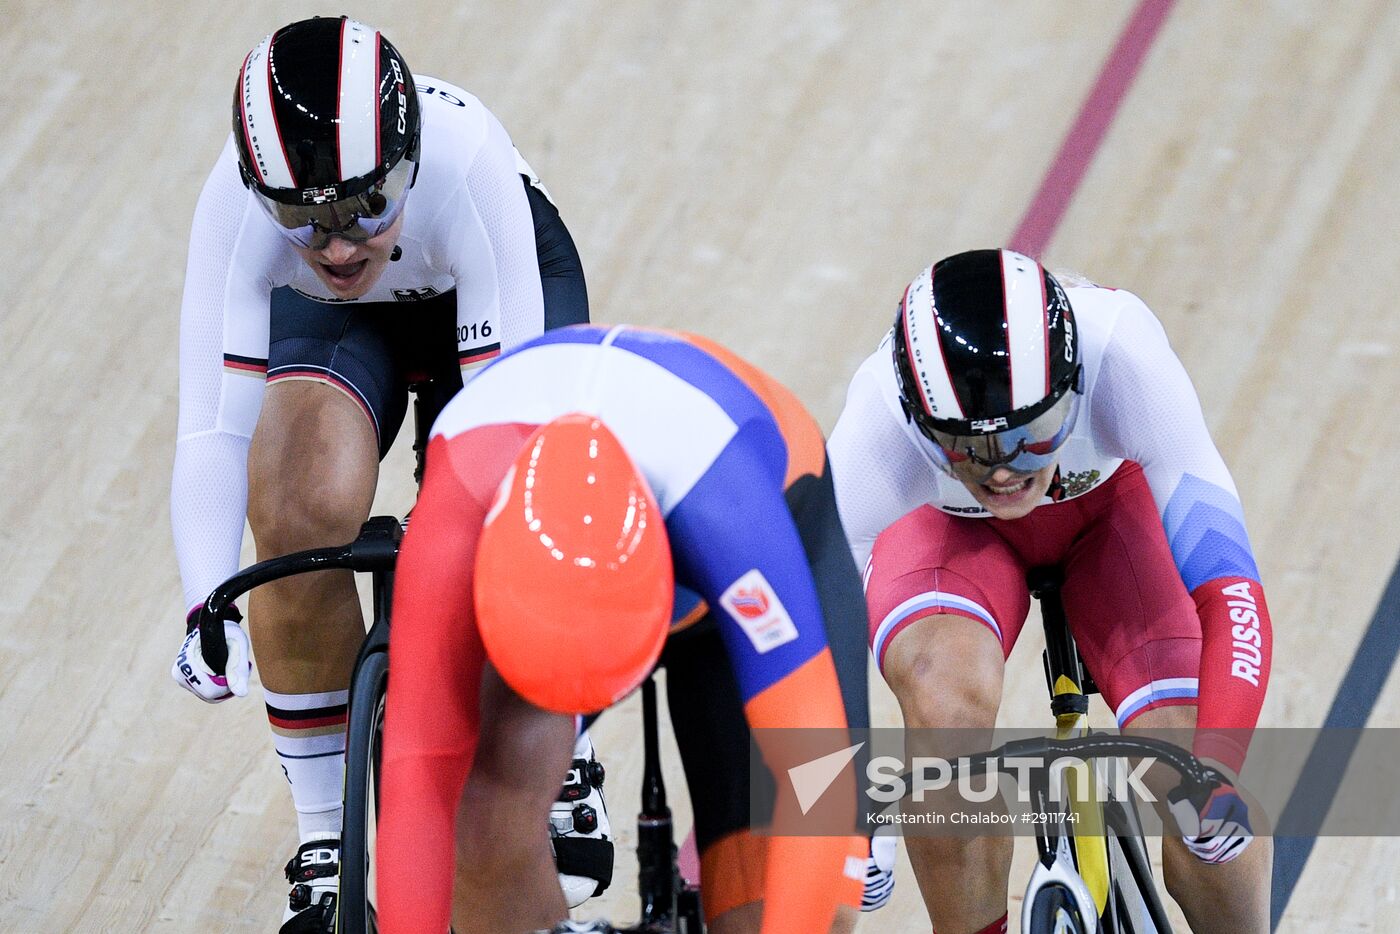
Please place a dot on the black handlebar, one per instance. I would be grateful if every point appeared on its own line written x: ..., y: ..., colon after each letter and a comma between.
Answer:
x: 1193, y: 771
x: 1198, y: 780
x: 376, y: 549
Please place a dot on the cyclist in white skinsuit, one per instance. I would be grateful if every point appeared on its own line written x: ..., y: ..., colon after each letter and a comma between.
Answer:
x: 362, y: 228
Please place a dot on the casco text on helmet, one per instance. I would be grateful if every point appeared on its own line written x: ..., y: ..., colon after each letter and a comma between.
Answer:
x: 986, y: 358
x: 327, y: 127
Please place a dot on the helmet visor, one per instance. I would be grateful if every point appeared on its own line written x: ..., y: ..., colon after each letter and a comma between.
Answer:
x: 354, y: 217
x: 1024, y: 449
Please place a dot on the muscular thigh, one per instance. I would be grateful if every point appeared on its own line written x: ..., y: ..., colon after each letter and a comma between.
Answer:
x: 932, y: 564
x: 712, y: 733
x: 311, y: 445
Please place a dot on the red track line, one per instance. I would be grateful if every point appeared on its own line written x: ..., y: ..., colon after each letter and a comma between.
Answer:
x: 1085, y: 136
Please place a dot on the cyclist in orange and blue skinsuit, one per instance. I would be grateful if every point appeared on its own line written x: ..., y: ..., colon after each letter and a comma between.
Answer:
x: 739, y: 474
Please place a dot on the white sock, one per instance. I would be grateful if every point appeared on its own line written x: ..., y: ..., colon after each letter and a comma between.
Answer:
x: 309, y: 733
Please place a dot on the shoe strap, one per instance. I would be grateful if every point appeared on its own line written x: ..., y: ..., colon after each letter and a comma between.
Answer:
x: 583, y: 856
x: 316, y: 859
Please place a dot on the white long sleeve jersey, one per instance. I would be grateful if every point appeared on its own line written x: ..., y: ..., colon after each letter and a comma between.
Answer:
x: 466, y: 226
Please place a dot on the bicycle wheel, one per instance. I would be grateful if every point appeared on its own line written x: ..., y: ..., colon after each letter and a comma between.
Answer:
x: 1054, y: 911
x: 1129, y: 908
x: 1136, y: 906
x: 363, y: 754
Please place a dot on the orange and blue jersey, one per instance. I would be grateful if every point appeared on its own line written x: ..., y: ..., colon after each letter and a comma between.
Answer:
x: 719, y: 442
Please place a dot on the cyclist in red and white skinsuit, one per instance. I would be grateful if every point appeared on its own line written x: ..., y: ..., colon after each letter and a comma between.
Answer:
x: 1006, y: 423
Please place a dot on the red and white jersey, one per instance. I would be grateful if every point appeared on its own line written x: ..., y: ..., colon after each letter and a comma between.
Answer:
x: 467, y: 226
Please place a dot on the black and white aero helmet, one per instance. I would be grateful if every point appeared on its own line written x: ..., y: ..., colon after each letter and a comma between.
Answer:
x: 326, y: 121
x: 987, y: 360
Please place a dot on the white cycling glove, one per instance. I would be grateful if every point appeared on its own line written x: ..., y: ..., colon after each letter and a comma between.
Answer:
x: 879, y: 872
x: 192, y: 673
x: 1218, y: 830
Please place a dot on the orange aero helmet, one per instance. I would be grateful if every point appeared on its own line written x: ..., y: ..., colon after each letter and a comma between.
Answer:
x: 574, y: 581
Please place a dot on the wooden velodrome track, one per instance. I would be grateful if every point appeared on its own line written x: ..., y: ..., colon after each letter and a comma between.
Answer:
x: 768, y: 174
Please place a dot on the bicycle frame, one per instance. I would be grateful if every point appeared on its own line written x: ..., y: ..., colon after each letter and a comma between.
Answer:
x: 1069, y: 686
x: 1063, y: 848
x: 1069, y: 702
x: 1053, y: 838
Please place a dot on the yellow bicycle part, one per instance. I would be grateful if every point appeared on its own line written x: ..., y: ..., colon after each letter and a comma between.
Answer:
x: 1089, y: 840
